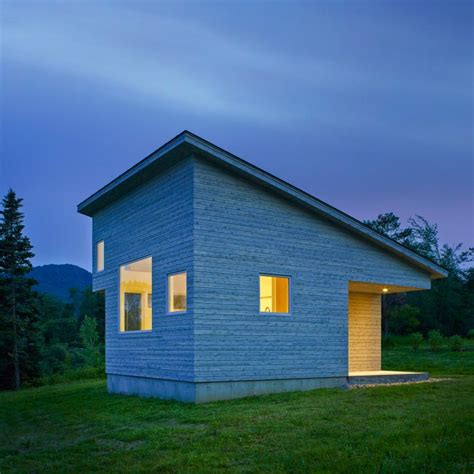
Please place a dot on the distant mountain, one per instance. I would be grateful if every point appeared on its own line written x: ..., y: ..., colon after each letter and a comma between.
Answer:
x: 56, y: 280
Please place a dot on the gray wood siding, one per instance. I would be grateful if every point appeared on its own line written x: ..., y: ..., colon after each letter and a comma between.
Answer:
x: 224, y: 230
x: 154, y: 220
x: 242, y: 230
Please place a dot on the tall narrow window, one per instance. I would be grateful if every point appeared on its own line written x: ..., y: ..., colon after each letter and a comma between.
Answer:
x: 274, y: 294
x: 135, y: 296
x: 100, y: 256
x: 177, y: 292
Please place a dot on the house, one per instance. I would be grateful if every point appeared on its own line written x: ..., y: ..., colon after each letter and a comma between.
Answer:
x: 223, y: 281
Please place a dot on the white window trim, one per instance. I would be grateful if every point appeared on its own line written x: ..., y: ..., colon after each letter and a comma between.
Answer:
x: 137, y: 331
x: 168, y: 275
x: 290, y: 294
x: 97, y: 256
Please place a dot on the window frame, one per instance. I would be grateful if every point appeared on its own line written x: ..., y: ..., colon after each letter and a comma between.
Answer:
x: 136, y: 331
x: 290, y: 294
x: 98, y: 242
x: 168, y: 275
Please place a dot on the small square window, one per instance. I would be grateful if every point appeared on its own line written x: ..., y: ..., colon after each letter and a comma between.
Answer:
x: 100, y: 256
x: 177, y: 292
x: 274, y: 294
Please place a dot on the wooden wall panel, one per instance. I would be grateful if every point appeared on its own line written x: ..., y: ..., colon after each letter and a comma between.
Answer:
x: 365, y: 332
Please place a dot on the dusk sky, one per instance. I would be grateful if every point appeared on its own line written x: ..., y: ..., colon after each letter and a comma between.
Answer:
x: 368, y: 105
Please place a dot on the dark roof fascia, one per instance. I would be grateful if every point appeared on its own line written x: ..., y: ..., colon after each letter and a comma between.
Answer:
x: 314, y: 203
x: 131, y: 177
x: 213, y: 152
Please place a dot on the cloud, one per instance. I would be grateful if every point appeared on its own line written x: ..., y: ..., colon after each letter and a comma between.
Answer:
x: 180, y: 62
x: 155, y: 59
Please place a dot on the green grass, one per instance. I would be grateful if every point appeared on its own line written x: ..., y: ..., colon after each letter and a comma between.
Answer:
x: 442, y: 362
x: 78, y: 427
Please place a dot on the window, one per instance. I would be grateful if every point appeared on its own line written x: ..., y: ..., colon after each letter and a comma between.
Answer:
x: 135, y: 296
x: 100, y: 256
x: 177, y: 293
x: 274, y: 294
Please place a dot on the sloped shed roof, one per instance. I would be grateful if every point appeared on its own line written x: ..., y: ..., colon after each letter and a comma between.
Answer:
x: 187, y: 143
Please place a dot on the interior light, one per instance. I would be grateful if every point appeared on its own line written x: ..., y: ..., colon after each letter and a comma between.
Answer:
x: 385, y: 290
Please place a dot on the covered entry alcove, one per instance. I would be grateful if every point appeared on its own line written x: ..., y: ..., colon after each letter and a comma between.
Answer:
x: 365, y: 334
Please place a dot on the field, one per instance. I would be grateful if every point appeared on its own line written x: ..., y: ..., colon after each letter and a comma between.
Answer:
x: 78, y: 427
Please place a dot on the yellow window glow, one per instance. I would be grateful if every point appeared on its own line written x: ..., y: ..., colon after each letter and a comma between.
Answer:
x: 177, y: 292
x: 100, y: 256
x: 136, y: 296
x: 274, y: 294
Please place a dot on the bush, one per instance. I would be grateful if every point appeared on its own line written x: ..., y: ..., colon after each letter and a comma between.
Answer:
x: 416, y: 339
x: 388, y: 342
x: 435, y: 340
x: 85, y: 373
x: 56, y: 358
x: 455, y: 343
x: 90, y: 339
x: 470, y: 334
x: 404, y: 319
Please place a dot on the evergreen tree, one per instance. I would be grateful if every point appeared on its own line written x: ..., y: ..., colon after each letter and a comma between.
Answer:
x: 389, y: 225
x: 19, y: 340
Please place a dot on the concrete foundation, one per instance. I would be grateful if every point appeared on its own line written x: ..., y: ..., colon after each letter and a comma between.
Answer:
x: 202, y: 392
x: 385, y: 376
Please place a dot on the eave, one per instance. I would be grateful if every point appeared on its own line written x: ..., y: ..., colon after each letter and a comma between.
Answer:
x: 186, y: 143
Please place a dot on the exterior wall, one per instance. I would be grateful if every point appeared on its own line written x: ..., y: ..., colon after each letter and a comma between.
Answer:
x: 242, y: 230
x: 365, y: 332
x: 154, y: 220
x: 224, y: 230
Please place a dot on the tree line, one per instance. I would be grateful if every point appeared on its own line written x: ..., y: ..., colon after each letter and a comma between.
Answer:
x: 449, y: 306
x: 41, y: 335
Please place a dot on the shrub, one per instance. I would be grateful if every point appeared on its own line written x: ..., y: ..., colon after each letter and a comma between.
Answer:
x: 404, y: 319
x: 416, y: 339
x: 435, y: 339
x: 56, y: 358
x: 85, y: 373
x: 470, y: 334
x: 388, y: 341
x: 90, y: 340
x: 455, y: 343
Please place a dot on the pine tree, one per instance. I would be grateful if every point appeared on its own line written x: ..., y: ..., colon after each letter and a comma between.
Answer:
x: 18, y: 339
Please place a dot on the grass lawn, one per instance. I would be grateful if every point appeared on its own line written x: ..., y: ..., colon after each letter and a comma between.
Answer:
x: 78, y: 427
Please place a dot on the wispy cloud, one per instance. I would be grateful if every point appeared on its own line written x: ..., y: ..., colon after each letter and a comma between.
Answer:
x: 156, y: 59
x: 177, y: 61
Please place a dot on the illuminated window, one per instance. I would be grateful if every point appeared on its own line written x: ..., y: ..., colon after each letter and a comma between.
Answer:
x: 100, y: 256
x: 135, y: 296
x: 274, y: 294
x: 177, y: 293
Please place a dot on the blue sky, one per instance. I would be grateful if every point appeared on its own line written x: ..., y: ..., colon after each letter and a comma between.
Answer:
x: 368, y: 105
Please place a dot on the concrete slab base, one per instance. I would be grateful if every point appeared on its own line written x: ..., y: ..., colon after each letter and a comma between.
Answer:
x: 212, y: 391
x: 385, y: 376
x: 202, y: 392
x: 149, y: 387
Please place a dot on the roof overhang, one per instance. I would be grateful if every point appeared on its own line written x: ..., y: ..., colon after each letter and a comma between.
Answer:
x: 186, y: 144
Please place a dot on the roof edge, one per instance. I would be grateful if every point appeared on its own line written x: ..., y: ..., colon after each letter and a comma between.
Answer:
x: 83, y: 206
x: 311, y: 201
x: 435, y: 270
